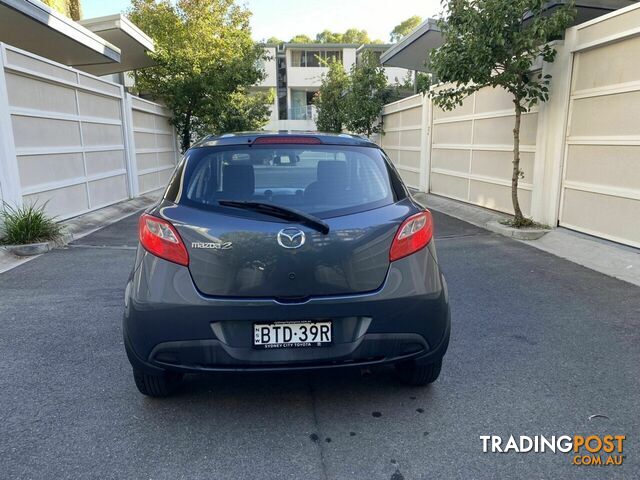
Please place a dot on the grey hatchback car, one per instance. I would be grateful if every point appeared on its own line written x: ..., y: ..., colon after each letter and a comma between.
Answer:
x: 284, y: 251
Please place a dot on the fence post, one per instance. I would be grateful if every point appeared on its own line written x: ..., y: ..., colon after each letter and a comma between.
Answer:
x: 425, y: 144
x: 551, y: 135
x: 10, y: 189
x: 130, y: 144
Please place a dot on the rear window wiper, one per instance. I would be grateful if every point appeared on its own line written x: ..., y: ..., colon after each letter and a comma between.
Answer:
x: 280, y: 212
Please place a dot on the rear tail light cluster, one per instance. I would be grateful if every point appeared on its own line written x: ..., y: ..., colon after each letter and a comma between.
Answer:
x: 161, y: 239
x: 414, y: 234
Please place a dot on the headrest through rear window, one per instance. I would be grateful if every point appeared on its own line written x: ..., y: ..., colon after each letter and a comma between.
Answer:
x: 238, y: 181
x: 332, y: 171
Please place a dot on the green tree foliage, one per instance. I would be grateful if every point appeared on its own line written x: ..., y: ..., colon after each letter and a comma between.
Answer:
x: 404, y: 28
x: 327, y: 36
x: 301, y: 39
x: 330, y: 99
x: 423, y: 82
x: 367, y: 95
x: 245, y: 111
x: 274, y: 40
x: 494, y: 43
x: 351, y: 35
x: 69, y: 8
x: 205, y: 61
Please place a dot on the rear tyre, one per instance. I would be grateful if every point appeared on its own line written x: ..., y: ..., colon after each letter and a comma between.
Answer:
x: 418, y: 375
x: 158, y: 386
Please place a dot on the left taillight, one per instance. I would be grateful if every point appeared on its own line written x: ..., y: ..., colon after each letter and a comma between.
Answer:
x: 161, y: 239
x: 414, y: 234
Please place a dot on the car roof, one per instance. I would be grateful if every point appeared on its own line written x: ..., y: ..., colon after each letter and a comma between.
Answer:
x: 244, y: 138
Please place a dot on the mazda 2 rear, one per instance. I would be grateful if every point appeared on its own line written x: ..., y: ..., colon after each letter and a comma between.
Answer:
x: 284, y: 252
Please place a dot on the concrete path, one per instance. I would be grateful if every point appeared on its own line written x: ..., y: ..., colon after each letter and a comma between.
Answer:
x: 538, y: 345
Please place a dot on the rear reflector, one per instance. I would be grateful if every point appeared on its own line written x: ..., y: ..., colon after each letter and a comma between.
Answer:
x: 161, y: 239
x: 286, y: 139
x: 414, y: 234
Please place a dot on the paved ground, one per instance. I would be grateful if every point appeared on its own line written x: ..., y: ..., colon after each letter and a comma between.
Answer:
x: 538, y: 345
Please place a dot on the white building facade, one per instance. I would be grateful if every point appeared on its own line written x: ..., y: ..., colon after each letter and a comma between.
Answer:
x: 294, y: 71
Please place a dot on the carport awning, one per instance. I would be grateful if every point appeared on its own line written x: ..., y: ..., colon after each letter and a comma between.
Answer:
x: 132, y: 42
x: 33, y: 26
x: 412, y: 51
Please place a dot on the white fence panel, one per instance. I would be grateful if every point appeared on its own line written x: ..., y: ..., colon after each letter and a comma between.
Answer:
x: 404, y: 138
x: 472, y: 151
x: 601, y: 175
x: 154, y: 142
x: 67, y: 133
x: 75, y: 141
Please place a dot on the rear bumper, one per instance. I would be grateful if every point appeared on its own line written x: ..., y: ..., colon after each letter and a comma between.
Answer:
x: 171, y: 326
x: 214, y: 356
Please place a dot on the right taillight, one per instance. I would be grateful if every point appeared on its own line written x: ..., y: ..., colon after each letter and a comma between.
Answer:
x: 414, y: 234
x: 161, y: 239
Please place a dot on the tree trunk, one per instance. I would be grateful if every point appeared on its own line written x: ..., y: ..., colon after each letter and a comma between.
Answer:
x: 519, y: 218
x: 186, y: 133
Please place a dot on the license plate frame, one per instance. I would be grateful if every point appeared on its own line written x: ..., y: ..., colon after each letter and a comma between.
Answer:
x: 297, y: 325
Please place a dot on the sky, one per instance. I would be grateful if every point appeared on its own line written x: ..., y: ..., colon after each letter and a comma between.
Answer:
x: 286, y: 18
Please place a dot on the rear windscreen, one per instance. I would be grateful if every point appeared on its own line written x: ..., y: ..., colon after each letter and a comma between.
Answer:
x: 317, y: 179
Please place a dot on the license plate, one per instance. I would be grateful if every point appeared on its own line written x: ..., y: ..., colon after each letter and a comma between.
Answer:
x: 291, y: 334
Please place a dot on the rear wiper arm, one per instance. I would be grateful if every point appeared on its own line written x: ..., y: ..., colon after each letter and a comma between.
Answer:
x: 280, y: 212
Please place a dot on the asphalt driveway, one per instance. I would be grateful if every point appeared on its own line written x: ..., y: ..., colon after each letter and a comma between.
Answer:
x: 538, y: 345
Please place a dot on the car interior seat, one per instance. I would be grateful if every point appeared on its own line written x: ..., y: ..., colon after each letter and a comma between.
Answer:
x: 331, y: 182
x: 238, y: 181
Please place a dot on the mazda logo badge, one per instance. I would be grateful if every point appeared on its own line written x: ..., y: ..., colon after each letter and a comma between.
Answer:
x: 291, y: 238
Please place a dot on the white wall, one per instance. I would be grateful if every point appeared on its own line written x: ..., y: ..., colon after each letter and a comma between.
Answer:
x: 68, y: 135
x: 290, y: 125
x: 348, y: 58
x: 154, y: 143
x: 404, y: 138
x: 396, y: 75
x: 270, y: 68
x: 71, y: 139
x: 312, y: 76
x: 472, y: 151
x: 301, y: 77
x: 601, y: 173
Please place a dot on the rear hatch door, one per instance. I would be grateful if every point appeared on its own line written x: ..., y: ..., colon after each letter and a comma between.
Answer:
x: 238, y: 254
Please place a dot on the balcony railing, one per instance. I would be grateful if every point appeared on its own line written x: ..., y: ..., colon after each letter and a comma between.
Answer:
x: 306, y: 112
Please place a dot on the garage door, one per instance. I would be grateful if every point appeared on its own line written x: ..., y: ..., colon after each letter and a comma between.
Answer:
x: 601, y: 178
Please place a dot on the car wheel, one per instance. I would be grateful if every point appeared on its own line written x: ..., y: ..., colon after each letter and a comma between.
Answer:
x: 419, y: 375
x: 156, y: 385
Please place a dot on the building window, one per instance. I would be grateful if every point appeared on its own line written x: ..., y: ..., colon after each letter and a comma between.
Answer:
x: 331, y: 55
x: 314, y: 58
x: 297, y: 58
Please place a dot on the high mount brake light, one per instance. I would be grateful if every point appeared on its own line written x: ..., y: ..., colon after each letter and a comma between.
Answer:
x: 414, y: 234
x: 161, y: 239
x: 286, y: 140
